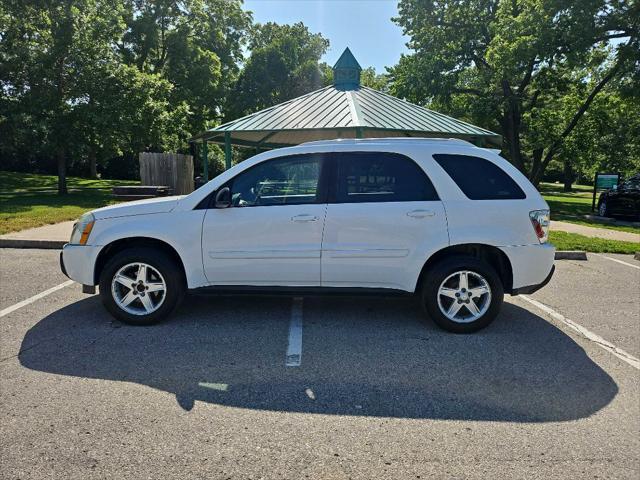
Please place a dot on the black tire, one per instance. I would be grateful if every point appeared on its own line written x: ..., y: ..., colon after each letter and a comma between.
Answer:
x: 439, y: 272
x: 603, y: 209
x: 164, y: 264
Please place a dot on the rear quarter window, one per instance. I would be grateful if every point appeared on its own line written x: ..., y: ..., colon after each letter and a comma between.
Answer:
x: 478, y: 178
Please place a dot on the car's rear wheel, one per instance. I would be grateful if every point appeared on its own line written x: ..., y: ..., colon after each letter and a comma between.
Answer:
x: 462, y: 294
x: 141, y: 286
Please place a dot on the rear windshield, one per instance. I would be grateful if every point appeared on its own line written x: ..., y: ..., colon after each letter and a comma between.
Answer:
x: 479, y: 179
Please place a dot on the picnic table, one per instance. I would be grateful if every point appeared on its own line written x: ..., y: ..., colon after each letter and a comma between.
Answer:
x: 139, y: 192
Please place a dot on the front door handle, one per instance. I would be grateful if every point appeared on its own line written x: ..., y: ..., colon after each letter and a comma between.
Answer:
x: 304, y: 218
x: 421, y: 213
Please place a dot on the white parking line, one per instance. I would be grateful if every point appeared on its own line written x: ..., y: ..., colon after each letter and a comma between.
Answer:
x: 588, y: 334
x: 294, y: 349
x: 29, y: 300
x: 616, y: 260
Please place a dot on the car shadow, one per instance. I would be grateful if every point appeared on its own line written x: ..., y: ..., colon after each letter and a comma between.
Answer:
x: 365, y: 357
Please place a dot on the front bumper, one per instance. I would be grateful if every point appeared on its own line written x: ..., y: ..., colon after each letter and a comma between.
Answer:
x: 64, y: 270
x: 78, y: 262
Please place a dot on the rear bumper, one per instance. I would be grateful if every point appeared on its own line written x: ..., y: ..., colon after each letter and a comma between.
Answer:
x: 531, y: 265
x: 534, y: 288
x: 78, y: 262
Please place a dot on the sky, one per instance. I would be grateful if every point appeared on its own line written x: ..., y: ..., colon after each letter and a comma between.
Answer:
x: 364, y: 26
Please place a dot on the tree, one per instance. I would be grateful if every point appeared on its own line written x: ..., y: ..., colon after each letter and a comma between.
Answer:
x: 283, y: 64
x: 368, y: 78
x: 87, y: 80
x: 507, y: 65
x: 196, y: 45
x: 608, y: 139
x: 48, y: 51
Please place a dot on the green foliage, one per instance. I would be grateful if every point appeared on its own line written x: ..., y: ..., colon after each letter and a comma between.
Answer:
x: 377, y: 81
x: 283, y: 64
x: 93, y: 80
x: 608, y: 139
x: 528, y: 69
x: 368, y: 78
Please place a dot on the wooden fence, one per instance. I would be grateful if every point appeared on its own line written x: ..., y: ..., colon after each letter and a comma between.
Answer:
x: 168, y: 169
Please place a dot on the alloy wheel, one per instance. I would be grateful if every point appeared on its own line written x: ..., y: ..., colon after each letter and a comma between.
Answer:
x: 464, y: 296
x: 138, y: 288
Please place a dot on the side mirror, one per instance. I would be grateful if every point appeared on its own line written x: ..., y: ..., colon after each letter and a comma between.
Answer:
x: 223, y: 198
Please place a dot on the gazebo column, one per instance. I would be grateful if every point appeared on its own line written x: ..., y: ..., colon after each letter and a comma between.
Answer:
x: 227, y: 150
x: 359, y: 132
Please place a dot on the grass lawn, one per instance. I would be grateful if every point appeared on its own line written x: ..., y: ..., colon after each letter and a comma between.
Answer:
x: 572, y: 206
x: 28, y: 200
x: 573, y: 241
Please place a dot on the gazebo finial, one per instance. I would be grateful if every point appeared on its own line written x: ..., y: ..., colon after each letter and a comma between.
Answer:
x: 346, y: 71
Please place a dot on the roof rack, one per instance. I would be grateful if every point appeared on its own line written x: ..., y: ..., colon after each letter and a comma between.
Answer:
x: 354, y: 141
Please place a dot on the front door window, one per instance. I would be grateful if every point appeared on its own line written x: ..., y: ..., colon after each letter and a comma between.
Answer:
x: 285, y: 181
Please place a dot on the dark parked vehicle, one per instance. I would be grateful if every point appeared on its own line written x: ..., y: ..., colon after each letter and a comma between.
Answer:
x: 622, y: 200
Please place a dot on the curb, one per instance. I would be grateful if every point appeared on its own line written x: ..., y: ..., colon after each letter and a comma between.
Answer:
x: 571, y: 255
x: 20, y: 243
x: 610, y: 221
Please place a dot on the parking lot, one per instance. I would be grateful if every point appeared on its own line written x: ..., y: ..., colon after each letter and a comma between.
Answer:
x: 378, y: 392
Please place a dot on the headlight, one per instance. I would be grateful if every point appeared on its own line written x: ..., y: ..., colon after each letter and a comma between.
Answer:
x: 81, y: 229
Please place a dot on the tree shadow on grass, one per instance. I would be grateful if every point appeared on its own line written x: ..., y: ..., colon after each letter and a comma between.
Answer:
x: 364, y: 357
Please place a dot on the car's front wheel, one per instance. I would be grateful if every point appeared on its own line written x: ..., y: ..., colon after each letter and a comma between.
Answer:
x: 462, y: 294
x: 141, y: 286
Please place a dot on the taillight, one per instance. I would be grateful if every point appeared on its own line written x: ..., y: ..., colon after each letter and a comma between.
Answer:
x: 540, y: 221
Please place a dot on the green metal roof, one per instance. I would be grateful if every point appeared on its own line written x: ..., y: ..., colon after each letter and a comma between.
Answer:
x: 336, y: 113
x: 347, y: 60
x: 342, y: 110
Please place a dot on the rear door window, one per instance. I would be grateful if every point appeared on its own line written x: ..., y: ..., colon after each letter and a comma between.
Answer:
x: 478, y: 178
x: 381, y: 177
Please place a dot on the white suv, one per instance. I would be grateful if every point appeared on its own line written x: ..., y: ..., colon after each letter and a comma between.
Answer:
x: 456, y: 225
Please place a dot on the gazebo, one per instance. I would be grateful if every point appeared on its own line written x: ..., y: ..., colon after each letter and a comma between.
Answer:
x: 345, y: 109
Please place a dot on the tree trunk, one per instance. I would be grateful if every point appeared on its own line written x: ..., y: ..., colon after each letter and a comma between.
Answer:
x: 62, y: 172
x: 568, y: 175
x: 511, y: 125
x: 536, y: 158
x: 93, y: 168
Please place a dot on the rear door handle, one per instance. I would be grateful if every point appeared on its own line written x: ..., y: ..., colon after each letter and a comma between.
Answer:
x: 304, y: 218
x: 421, y: 213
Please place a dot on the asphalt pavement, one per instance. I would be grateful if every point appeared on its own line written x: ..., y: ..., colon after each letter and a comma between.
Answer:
x: 379, y: 392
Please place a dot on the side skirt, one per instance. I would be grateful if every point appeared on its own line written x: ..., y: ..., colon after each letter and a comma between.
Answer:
x: 298, y: 291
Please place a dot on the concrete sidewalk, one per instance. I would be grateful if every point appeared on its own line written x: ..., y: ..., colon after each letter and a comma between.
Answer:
x: 595, y: 232
x: 49, y: 236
